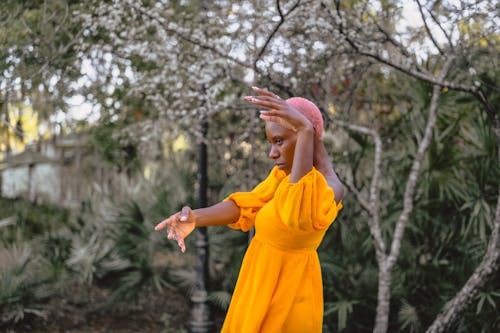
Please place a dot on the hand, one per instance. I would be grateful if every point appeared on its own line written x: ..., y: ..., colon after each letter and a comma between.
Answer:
x: 181, y: 224
x: 279, y: 110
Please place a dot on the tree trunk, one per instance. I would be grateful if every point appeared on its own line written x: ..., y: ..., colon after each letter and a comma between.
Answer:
x: 486, y: 270
x: 383, y: 299
x: 483, y: 273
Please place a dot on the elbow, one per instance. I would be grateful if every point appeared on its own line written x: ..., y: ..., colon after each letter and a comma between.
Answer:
x: 338, y: 189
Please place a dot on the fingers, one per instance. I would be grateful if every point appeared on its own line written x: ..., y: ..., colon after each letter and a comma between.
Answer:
x: 174, y: 226
x: 165, y: 223
x: 183, y: 216
x: 171, y: 234
x: 265, y: 92
x: 275, y: 114
x: 266, y: 99
x: 267, y: 102
x: 182, y: 245
x: 180, y: 241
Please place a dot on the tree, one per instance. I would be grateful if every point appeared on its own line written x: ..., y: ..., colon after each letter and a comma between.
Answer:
x: 38, y: 61
x: 184, y: 55
x: 159, y: 69
x: 371, y: 39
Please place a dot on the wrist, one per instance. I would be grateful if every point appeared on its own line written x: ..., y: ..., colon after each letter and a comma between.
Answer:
x: 195, y: 217
x: 305, y: 128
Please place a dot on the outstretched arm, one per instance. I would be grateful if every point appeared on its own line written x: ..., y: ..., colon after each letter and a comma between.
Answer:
x: 323, y: 164
x: 182, y: 223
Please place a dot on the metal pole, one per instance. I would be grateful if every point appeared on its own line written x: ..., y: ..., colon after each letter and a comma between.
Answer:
x: 200, y: 312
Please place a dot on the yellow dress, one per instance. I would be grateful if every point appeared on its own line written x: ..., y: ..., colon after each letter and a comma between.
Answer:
x: 279, y: 287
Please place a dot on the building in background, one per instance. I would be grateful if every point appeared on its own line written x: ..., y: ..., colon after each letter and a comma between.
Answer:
x: 57, y: 171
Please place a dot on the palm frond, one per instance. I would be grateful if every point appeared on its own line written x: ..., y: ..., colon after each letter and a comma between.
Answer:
x: 341, y: 310
x: 23, y: 288
x: 220, y: 298
x: 408, y: 318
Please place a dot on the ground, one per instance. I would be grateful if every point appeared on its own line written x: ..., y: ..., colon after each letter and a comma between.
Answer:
x: 165, y: 312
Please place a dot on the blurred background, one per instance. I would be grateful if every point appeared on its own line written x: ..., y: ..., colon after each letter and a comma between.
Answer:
x: 115, y: 114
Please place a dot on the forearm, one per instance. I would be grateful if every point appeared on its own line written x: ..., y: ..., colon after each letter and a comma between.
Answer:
x: 223, y: 213
x: 321, y: 159
x: 323, y: 164
x: 303, y: 156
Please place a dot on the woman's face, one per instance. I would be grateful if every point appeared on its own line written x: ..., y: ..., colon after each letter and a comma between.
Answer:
x: 282, y: 145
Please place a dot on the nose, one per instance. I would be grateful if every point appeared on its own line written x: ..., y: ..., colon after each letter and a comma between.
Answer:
x: 273, y: 153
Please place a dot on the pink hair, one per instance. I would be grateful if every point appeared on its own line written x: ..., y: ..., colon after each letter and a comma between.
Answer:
x: 311, y: 111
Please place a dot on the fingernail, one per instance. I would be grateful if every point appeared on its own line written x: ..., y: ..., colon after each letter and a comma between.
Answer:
x: 183, y: 218
x: 254, y: 87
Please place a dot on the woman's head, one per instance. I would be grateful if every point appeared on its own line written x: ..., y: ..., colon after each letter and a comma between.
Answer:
x: 311, y: 111
x: 282, y: 142
x: 283, y: 139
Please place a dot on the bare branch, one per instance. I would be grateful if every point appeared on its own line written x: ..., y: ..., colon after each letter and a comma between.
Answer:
x: 400, y: 47
x: 355, y: 128
x: 431, y: 36
x: 415, y: 169
x: 61, y: 51
x: 446, y: 34
x: 276, y: 28
x: 359, y: 196
x: 374, y: 197
x: 373, y: 204
x: 427, y: 77
x: 491, y: 111
x: 66, y: 13
x: 482, y: 274
x: 394, y: 42
x: 189, y: 39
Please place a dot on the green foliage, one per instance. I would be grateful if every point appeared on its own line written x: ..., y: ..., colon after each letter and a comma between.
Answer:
x: 449, y: 227
x: 29, y: 220
x: 133, y: 249
x: 408, y: 318
x: 24, y: 287
x: 167, y: 323
x: 114, y: 245
x: 342, y: 310
x: 37, y: 43
x: 115, y: 148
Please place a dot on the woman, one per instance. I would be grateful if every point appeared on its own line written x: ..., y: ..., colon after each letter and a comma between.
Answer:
x: 279, y: 287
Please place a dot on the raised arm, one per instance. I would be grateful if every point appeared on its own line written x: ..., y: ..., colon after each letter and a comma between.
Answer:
x: 323, y: 164
x: 182, y: 223
x: 284, y: 114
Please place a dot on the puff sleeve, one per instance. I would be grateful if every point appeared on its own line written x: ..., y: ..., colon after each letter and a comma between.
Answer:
x: 307, y: 205
x: 251, y: 202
